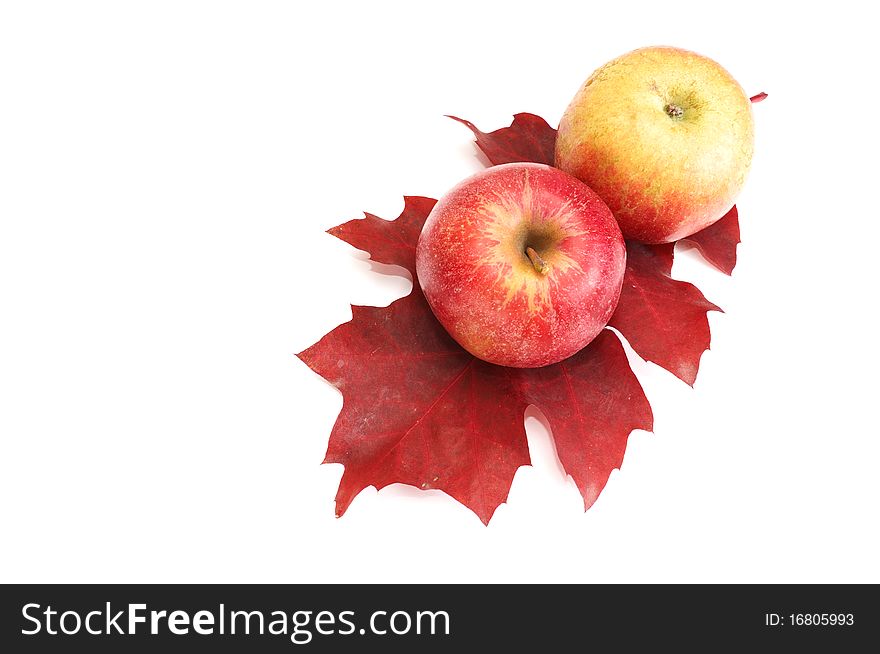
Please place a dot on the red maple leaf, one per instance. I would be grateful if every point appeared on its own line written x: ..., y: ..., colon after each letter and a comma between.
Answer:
x: 420, y: 410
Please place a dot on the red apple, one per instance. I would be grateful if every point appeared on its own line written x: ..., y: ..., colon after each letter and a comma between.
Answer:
x: 664, y: 136
x: 522, y: 264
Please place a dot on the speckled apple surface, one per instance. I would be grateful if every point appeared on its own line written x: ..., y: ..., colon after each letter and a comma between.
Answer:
x: 502, y: 303
x: 664, y: 136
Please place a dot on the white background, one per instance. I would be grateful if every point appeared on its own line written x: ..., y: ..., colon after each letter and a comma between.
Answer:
x: 167, y: 171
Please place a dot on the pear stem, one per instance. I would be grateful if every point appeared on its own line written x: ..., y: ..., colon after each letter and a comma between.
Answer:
x: 540, y: 265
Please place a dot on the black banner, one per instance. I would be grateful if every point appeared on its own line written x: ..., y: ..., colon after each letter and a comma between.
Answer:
x: 319, y: 618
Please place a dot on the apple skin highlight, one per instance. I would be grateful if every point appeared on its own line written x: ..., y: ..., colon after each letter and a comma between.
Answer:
x: 664, y: 136
x: 502, y: 303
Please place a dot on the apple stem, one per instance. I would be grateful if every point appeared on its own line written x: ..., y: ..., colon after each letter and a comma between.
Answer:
x: 540, y: 265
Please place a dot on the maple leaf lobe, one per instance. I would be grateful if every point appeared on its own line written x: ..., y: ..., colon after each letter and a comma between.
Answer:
x: 528, y: 139
x: 418, y: 409
x: 593, y: 401
x: 663, y: 319
x: 391, y: 242
x: 717, y: 242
